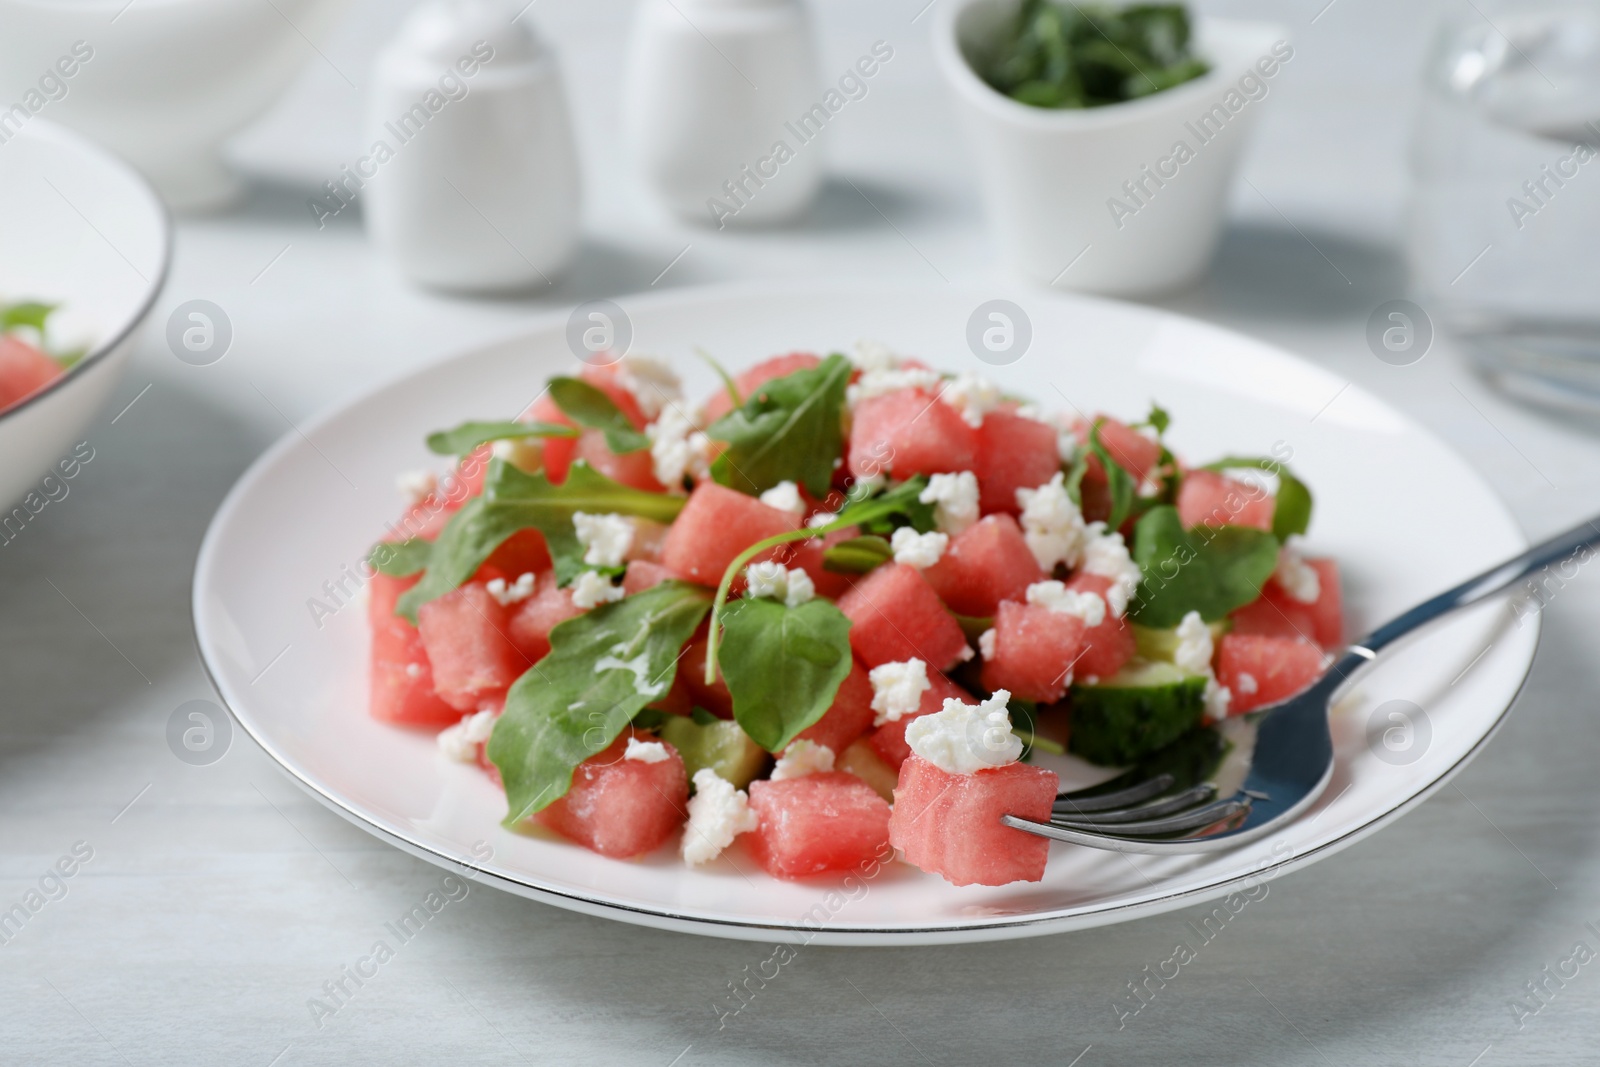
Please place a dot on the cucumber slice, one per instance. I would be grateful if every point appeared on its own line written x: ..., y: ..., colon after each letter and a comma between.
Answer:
x: 1163, y: 644
x: 719, y: 744
x: 1143, y: 707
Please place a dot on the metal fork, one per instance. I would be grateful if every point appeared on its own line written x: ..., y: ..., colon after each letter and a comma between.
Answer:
x: 1293, y: 757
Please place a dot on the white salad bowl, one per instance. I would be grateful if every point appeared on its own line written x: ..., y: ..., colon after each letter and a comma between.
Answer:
x: 1103, y: 199
x: 82, y: 230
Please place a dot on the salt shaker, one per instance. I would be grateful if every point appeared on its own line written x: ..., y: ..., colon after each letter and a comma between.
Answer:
x: 715, y: 90
x: 473, y: 181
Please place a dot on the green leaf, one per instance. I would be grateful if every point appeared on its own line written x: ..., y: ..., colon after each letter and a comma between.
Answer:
x: 783, y: 665
x: 1122, y: 485
x: 1292, y: 512
x: 789, y: 430
x: 28, y: 313
x: 857, y: 555
x: 1158, y: 419
x: 900, y: 505
x: 1212, y: 570
x: 602, y: 669
x: 469, y: 435
x: 400, y: 559
x: 729, y: 386
x: 588, y: 406
x: 513, y: 500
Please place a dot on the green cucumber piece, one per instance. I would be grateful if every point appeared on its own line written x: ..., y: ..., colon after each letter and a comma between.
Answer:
x: 719, y: 744
x: 1163, y: 644
x: 1143, y: 707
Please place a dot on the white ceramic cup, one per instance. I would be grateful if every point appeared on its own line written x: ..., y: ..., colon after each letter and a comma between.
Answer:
x: 1053, y: 179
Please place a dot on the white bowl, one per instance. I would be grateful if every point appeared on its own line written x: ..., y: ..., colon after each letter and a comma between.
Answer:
x: 165, y: 81
x: 81, y: 229
x: 1051, y: 177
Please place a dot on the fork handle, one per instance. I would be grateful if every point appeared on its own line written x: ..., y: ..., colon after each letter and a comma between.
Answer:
x: 1573, y: 544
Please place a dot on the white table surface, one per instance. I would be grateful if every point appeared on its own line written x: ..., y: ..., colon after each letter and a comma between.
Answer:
x: 220, y: 898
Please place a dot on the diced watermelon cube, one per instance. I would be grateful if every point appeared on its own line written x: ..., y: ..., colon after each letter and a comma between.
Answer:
x: 532, y: 620
x: 558, y: 451
x: 984, y: 564
x: 895, y: 615
x: 1132, y: 450
x: 622, y: 807
x: 808, y: 556
x: 427, y: 517
x: 1035, y: 651
x: 889, y: 740
x: 1013, y: 453
x: 635, y: 469
x: 848, y: 717
x: 715, y: 697
x: 524, y: 552
x: 642, y: 574
x: 817, y: 824
x: 465, y: 633
x: 715, y: 525
x: 949, y: 824
x: 1262, y: 670
x: 1277, y: 614
x: 1108, y: 646
x: 752, y: 379
x: 909, y: 432
x: 24, y: 370
x: 1208, y: 498
x: 401, y: 676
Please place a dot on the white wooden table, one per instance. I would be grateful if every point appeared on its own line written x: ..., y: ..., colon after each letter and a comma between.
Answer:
x: 219, y: 899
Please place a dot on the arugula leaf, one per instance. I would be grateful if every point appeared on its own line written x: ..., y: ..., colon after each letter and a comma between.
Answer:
x: 857, y: 555
x: 898, y: 506
x: 400, y: 559
x: 729, y: 386
x: 462, y: 439
x: 513, y: 500
x: 783, y: 665
x: 588, y: 406
x: 1212, y: 570
x: 789, y: 430
x: 1121, y: 484
x: 602, y: 669
x: 28, y: 313
x: 1292, y: 512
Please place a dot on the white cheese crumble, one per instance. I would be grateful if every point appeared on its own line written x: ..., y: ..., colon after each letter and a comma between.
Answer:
x: 717, y: 814
x: 800, y: 588
x: 1052, y: 525
x: 653, y: 383
x: 972, y: 395
x: 897, y: 689
x: 875, y: 383
x: 785, y: 496
x: 416, y: 486
x: 820, y: 519
x: 801, y: 758
x: 918, y: 550
x: 1194, y: 650
x: 769, y: 579
x: 874, y: 355
x: 955, y: 500
x: 1217, y: 698
x: 677, y: 448
x: 460, y: 742
x: 645, y: 751
x: 1105, y: 554
x: 515, y: 593
x: 1055, y: 596
x: 605, y: 538
x: 1298, y: 578
x: 1246, y: 683
x: 986, y: 642
x: 593, y: 589
x: 963, y: 738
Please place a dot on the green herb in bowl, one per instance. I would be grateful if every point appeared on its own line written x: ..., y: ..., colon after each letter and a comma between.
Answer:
x: 1069, y: 55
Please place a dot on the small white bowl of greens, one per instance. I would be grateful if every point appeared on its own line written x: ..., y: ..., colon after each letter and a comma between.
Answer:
x: 1106, y: 138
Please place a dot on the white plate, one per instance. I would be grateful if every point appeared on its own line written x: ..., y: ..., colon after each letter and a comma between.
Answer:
x: 1405, y: 517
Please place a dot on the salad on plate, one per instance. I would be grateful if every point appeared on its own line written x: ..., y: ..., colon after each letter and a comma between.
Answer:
x: 845, y: 609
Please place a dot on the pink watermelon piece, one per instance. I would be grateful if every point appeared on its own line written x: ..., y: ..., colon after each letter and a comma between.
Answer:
x: 524, y: 552
x: 427, y: 517
x: 1277, y: 667
x: 909, y: 432
x: 752, y: 379
x: 1108, y: 646
x: 1035, y: 652
x: 716, y: 525
x: 635, y: 469
x: 1132, y: 450
x: 401, y: 676
x: 984, y: 564
x: 949, y: 824
x: 715, y: 697
x: 643, y: 574
x: 622, y: 807
x: 817, y: 824
x: 848, y: 717
x: 1013, y: 453
x: 889, y: 740
x: 809, y: 555
x: 895, y: 615
x: 558, y: 451
x: 1207, y: 498
x: 24, y: 370
x: 465, y: 633
x: 1277, y: 614
x: 531, y: 621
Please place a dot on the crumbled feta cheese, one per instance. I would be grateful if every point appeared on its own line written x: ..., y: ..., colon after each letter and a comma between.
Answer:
x: 717, y: 814
x: 515, y: 593
x: 874, y: 355
x: 897, y: 689
x: 918, y: 550
x: 1298, y: 578
x: 986, y: 642
x: 1217, y: 699
x: 972, y: 395
x: 645, y: 751
x: 785, y: 496
x: 1105, y: 554
x: 605, y: 538
x: 963, y: 738
x: 416, y: 486
x: 1151, y: 486
x: 820, y: 519
x: 801, y: 758
x: 955, y: 500
x: 593, y: 589
x: 1246, y: 683
x: 460, y: 742
x: 677, y: 448
x: 653, y: 383
x: 1052, y: 525
x: 766, y: 579
x: 1194, y: 650
x: 875, y: 383
x: 1055, y: 596
x: 800, y: 588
